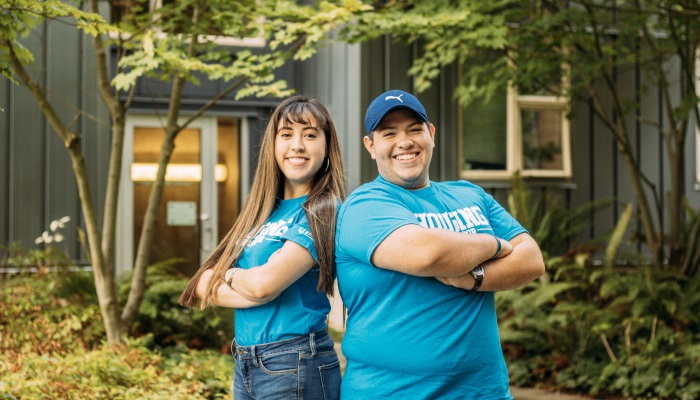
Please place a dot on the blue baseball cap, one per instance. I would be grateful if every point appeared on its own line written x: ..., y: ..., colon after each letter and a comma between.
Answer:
x: 389, y: 101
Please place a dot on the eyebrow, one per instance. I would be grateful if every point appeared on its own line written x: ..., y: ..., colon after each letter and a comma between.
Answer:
x: 385, y: 127
x: 306, y: 127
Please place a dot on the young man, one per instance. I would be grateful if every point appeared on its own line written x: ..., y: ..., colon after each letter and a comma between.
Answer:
x: 418, y: 262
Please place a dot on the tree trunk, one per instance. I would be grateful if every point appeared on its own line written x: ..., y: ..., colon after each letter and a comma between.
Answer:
x: 117, y: 112
x: 651, y: 237
x: 104, y: 280
x: 105, y: 287
x: 143, y: 254
x: 676, y: 210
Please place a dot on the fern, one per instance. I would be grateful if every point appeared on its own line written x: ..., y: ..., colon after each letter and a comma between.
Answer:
x: 553, y: 226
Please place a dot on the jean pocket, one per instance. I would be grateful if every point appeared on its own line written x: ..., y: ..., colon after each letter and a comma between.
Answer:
x: 321, y: 375
x: 330, y: 380
x: 279, y: 364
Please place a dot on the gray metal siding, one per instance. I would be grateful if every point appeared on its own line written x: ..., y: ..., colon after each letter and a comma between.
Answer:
x: 27, y: 161
x: 37, y: 180
x: 333, y: 77
x: 95, y: 126
x: 374, y: 80
x: 63, y: 88
x: 5, y: 96
x: 35, y: 173
x: 600, y: 171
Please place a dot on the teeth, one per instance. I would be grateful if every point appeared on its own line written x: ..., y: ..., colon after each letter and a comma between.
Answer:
x: 403, y: 157
x: 296, y: 160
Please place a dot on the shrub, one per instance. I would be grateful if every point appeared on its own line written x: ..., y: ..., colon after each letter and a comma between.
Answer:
x: 55, y: 313
x: 630, y: 332
x: 51, y: 344
x: 161, y: 316
x: 131, y: 372
x: 618, y: 327
x: 48, y: 314
x: 170, y: 323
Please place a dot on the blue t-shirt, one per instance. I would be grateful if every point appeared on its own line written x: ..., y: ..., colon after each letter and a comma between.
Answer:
x: 412, y: 337
x: 300, y: 309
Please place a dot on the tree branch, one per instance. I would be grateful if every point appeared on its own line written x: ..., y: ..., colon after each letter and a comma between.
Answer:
x: 35, y: 89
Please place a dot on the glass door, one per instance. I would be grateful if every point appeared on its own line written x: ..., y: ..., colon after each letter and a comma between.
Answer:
x: 178, y: 231
x: 201, y: 195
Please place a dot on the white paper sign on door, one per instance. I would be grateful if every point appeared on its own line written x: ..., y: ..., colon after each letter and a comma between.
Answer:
x: 182, y: 213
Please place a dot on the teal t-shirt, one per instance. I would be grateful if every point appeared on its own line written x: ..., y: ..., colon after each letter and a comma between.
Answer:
x: 300, y: 309
x: 412, y: 337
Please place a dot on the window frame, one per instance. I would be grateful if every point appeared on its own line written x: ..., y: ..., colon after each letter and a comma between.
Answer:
x: 514, y: 147
x: 537, y: 102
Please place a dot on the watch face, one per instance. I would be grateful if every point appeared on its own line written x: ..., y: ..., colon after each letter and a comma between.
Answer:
x: 478, y: 274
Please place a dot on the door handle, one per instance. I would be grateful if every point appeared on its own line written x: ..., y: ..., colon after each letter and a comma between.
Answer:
x: 206, y: 232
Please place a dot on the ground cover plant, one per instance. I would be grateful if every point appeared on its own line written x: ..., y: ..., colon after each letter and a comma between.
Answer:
x: 132, y: 371
x: 600, y: 322
x: 621, y: 332
x: 52, y: 339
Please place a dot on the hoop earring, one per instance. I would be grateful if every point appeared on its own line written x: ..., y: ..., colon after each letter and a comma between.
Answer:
x: 328, y: 164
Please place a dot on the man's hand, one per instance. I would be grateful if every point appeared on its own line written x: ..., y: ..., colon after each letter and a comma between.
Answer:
x: 465, y: 281
x: 506, y: 248
x: 519, y: 262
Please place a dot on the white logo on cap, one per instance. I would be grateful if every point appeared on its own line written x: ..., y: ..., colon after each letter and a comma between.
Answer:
x: 394, y: 97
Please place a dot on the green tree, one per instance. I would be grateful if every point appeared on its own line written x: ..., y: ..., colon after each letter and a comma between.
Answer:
x: 587, y: 41
x: 169, y: 44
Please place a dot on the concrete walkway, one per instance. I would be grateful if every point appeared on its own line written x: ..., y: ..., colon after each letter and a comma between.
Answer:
x: 538, y: 394
x: 517, y: 392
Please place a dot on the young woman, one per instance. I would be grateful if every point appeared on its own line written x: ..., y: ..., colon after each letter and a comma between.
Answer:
x: 276, y: 265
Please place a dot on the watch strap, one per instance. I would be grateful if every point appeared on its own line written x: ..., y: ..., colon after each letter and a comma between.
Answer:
x: 229, y: 281
x: 478, y: 274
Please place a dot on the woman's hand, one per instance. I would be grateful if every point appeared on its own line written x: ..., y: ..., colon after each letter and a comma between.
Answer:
x: 269, y: 280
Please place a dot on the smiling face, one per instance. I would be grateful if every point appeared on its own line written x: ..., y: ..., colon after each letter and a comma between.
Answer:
x: 300, y: 150
x: 403, y: 146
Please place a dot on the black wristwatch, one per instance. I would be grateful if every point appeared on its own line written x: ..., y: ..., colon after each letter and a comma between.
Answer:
x: 478, y: 274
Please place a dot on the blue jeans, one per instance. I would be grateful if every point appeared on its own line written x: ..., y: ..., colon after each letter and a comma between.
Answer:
x: 303, y: 368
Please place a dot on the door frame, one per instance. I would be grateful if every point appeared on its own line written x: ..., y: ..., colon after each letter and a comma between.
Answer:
x: 208, y: 212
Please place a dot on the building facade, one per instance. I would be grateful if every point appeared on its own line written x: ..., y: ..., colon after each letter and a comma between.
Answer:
x: 215, y: 157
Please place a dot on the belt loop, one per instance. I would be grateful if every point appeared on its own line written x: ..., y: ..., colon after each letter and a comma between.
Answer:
x: 255, y: 357
x: 312, y: 343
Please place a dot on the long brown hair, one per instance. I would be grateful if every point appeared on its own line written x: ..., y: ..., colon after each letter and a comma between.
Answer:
x: 321, y: 206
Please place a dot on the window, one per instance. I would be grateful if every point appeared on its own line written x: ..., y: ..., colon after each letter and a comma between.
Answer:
x: 515, y: 132
x: 541, y: 134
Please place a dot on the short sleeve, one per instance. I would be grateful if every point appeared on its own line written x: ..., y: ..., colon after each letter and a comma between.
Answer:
x: 503, y: 224
x: 367, y: 219
x: 300, y: 234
